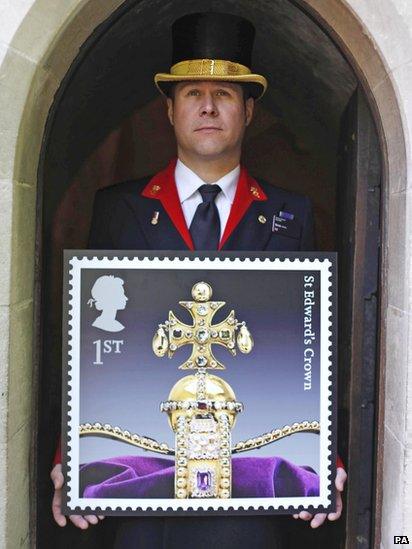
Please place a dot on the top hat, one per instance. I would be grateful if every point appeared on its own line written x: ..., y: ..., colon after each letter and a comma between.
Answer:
x: 214, y: 47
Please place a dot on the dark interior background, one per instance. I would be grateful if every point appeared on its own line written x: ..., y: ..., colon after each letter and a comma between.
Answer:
x: 108, y: 124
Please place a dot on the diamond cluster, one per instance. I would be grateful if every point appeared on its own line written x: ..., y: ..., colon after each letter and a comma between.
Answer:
x: 202, y: 446
x: 208, y: 405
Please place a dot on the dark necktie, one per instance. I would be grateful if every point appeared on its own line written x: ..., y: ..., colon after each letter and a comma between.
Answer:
x: 205, y: 225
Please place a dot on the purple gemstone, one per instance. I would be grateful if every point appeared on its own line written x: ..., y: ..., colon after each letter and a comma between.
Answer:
x: 204, y: 480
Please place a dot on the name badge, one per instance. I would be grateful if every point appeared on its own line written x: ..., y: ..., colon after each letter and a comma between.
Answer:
x: 286, y: 227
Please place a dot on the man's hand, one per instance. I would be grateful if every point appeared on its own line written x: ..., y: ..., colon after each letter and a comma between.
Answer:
x: 81, y: 522
x: 319, y: 518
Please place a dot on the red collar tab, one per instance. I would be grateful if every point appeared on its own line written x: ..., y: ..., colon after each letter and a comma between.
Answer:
x: 160, y: 182
x: 163, y: 187
x: 248, y: 190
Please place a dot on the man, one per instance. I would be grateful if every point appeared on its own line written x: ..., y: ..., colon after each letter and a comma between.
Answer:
x: 204, y: 200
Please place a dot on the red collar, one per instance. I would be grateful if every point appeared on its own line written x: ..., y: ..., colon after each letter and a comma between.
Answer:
x: 163, y: 187
x: 248, y: 190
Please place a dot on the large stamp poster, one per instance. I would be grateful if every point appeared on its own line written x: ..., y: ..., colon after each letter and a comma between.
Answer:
x: 199, y: 383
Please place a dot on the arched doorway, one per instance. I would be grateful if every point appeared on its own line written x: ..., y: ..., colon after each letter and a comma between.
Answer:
x: 390, y: 160
x: 109, y: 125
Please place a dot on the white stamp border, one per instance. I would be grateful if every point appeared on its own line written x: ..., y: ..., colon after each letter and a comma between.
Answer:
x: 78, y: 504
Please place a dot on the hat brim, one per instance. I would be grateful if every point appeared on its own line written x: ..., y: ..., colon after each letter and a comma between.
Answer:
x: 256, y: 83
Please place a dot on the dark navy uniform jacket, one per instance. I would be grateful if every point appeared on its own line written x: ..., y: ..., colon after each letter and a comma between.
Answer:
x: 122, y: 219
x: 123, y: 215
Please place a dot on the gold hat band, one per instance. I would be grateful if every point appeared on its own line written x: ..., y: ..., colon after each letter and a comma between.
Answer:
x: 209, y: 67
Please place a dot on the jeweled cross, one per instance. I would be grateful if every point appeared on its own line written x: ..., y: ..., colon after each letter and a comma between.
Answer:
x: 202, y: 334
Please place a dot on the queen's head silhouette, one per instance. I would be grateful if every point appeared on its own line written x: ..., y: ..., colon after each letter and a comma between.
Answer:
x: 108, y: 297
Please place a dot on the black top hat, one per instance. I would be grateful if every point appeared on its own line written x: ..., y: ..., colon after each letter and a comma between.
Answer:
x: 212, y: 46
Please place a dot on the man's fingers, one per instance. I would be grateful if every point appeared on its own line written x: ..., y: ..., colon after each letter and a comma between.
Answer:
x: 79, y: 521
x: 58, y: 481
x: 338, y: 512
x: 57, y: 509
x: 92, y: 519
x: 57, y: 477
x: 340, y: 480
x: 305, y: 515
x: 318, y: 519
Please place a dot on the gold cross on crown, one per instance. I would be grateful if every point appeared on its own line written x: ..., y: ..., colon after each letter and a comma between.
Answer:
x: 202, y: 334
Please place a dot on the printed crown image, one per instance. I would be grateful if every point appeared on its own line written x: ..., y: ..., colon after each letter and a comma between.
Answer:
x: 202, y: 407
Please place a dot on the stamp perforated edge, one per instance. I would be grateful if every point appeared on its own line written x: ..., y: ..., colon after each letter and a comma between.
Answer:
x: 80, y: 261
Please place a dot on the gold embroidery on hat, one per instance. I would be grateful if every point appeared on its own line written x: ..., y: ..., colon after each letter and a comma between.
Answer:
x: 209, y: 67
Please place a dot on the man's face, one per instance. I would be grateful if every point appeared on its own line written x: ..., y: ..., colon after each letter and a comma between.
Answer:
x: 209, y: 118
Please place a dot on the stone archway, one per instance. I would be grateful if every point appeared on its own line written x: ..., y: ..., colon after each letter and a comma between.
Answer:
x: 38, y: 46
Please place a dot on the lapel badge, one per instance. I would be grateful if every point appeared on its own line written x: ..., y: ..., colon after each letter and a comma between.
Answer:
x: 255, y: 192
x: 155, y: 189
x: 155, y: 218
x: 286, y: 215
x: 262, y: 219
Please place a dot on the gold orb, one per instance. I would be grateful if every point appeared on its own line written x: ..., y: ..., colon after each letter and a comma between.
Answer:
x: 216, y: 389
x: 202, y: 291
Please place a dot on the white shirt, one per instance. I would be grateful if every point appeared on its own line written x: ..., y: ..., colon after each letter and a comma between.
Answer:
x: 187, y: 183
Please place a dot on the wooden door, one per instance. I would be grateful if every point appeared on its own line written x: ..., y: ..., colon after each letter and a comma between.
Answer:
x: 358, y: 245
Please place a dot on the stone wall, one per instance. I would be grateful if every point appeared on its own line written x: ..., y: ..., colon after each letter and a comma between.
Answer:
x: 38, y: 41
x: 388, y: 27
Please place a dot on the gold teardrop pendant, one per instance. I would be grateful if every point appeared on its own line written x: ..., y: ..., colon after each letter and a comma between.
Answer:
x: 244, y: 340
x: 160, y: 343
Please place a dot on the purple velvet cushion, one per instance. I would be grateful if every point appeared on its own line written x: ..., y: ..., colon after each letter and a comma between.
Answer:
x: 148, y: 477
